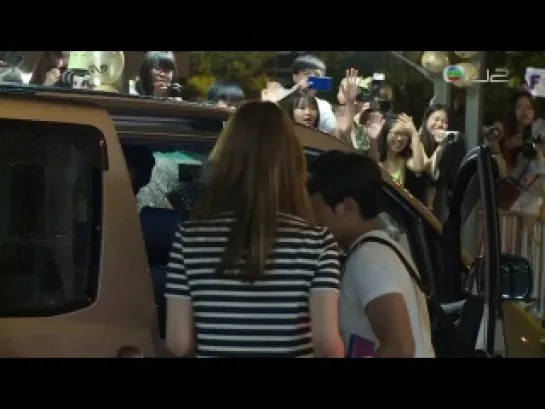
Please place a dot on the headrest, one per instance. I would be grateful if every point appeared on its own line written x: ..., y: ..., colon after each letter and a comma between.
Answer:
x: 158, y: 227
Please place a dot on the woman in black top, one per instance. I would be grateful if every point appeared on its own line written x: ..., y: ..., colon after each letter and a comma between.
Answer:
x: 432, y: 188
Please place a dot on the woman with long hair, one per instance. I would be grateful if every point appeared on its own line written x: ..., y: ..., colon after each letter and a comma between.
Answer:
x: 432, y: 188
x: 48, y: 68
x: 514, y: 129
x: 250, y: 275
x: 516, y: 156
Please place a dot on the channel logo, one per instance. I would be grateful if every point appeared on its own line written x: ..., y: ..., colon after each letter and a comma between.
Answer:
x: 453, y: 73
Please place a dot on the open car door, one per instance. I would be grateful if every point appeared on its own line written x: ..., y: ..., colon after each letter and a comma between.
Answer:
x: 476, y: 184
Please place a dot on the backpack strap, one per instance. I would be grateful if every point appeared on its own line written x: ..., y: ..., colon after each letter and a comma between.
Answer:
x: 433, y: 303
x: 426, y: 290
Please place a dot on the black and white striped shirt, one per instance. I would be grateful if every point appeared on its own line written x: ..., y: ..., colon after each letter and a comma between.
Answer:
x: 267, y: 318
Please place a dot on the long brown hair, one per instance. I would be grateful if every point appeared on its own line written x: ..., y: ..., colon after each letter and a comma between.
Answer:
x: 258, y: 170
x: 48, y: 61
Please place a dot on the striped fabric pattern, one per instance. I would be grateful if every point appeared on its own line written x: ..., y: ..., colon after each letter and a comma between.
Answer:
x: 267, y: 318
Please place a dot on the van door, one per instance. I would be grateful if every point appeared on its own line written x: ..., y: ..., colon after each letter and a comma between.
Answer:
x: 74, y: 279
x: 476, y: 183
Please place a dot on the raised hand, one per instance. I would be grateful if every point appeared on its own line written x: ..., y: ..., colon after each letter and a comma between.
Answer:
x: 349, y: 85
x: 374, y: 125
x: 408, y: 122
x: 273, y: 92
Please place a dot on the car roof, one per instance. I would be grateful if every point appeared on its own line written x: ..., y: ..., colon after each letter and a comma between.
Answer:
x: 126, y: 109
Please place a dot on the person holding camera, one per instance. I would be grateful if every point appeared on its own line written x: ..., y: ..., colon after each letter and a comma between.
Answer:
x: 516, y: 146
x: 443, y: 150
x: 513, y: 131
x: 361, y: 105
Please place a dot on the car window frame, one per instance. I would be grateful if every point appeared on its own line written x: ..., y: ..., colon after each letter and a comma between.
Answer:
x: 91, y: 290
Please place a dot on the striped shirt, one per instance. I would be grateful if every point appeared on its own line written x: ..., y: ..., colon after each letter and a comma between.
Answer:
x: 267, y: 318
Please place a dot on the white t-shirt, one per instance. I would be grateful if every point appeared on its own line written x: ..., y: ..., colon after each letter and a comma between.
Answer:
x: 328, y: 121
x: 374, y: 270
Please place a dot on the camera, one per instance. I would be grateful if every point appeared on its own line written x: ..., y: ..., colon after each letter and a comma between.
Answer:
x: 452, y: 136
x: 369, y: 91
x: 529, y: 148
x: 174, y: 90
x: 491, y: 134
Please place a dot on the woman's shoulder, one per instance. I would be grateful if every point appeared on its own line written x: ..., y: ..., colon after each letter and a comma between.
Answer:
x: 293, y: 225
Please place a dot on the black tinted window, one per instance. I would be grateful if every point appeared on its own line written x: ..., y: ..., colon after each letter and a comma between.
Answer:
x: 50, y: 212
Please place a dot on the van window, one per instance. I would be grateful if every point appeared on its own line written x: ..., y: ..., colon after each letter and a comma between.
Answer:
x: 50, y: 216
x: 171, y: 167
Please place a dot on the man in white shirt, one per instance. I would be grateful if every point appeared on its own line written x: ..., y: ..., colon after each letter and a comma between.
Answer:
x: 379, y: 301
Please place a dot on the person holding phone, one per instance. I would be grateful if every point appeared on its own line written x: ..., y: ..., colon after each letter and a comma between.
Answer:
x: 382, y: 311
x: 310, y: 66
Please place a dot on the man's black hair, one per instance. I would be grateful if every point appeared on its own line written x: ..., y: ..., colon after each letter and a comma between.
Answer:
x: 228, y: 91
x: 307, y: 62
x: 337, y: 175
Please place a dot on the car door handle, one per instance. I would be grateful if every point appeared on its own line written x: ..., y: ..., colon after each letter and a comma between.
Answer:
x: 129, y: 351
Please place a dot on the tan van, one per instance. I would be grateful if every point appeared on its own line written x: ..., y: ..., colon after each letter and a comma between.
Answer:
x: 75, y: 263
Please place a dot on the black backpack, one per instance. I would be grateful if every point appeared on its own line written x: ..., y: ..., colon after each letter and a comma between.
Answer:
x: 449, y: 340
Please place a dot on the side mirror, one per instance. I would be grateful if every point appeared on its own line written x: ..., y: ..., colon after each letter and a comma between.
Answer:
x: 516, y: 275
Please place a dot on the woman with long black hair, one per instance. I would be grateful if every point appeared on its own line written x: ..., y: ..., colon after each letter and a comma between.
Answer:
x: 432, y: 188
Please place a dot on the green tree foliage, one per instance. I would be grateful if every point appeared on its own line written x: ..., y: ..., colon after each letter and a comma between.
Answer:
x: 412, y: 92
x: 246, y: 68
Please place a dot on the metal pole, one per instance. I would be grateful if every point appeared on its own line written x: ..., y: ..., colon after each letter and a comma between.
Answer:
x: 474, y: 103
x: 474, y: 112
x: 441, y: 89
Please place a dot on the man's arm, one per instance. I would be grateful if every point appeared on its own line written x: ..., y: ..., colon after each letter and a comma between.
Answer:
x: 379, y: 295
x: 328, y: 122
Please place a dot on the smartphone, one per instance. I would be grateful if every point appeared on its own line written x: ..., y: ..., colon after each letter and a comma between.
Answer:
x: 452, y: 136
x: 323, y: 84
x: 359, y: 347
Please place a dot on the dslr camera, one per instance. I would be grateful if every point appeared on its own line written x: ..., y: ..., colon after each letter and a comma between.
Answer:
x: 370, y: 92
x: 529, y: 147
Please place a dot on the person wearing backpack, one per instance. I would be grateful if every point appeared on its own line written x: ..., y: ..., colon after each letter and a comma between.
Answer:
x: 383, y: 311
